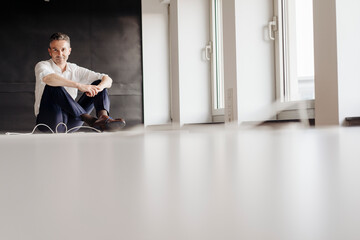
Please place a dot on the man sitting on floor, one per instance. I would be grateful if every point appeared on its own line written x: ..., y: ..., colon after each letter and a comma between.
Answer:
x: 57, y: 85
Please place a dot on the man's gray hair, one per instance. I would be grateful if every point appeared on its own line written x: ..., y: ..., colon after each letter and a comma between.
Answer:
x: 60, y: 36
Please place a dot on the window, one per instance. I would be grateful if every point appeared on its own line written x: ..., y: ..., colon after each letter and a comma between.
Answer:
x: 295, y: 50
x: 292, y: 32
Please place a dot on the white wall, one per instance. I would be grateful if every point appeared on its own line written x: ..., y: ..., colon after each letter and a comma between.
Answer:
x: 348, y: 51
x: 325, y: 57
x: 155, y: 32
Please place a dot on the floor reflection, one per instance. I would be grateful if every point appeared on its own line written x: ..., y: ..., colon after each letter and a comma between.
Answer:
x: 188, y: 183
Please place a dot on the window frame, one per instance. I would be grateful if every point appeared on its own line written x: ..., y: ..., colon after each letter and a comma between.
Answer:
x: 217, y: 62
x: 283, y: 88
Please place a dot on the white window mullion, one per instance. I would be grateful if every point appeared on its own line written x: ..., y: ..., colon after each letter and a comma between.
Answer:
x: 217, y: 72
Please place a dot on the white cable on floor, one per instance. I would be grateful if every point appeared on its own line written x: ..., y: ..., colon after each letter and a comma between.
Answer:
x: 78, y: 127
x: 56, y: 129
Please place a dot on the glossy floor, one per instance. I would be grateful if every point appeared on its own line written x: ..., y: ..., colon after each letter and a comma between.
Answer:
x: 198, y: 183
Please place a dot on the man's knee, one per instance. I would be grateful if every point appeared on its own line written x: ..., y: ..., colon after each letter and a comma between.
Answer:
x: 55, y: 95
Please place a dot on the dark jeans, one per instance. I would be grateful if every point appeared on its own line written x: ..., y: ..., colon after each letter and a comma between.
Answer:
x: 58, y: 106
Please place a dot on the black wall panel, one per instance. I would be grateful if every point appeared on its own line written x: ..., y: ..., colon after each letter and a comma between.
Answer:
x: 105, y: 37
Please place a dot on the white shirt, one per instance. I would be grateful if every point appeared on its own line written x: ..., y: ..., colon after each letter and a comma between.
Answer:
x: 73, y: 72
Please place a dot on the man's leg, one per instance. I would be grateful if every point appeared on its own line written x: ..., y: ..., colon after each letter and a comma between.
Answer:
x: 50, y: 116
x: 101, y: 103
x: 58, y: 106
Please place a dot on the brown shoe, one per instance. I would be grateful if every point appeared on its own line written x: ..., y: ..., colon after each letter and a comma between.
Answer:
x: 108, y: 124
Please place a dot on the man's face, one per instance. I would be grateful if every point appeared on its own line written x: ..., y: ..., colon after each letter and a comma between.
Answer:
x: 59, y: 51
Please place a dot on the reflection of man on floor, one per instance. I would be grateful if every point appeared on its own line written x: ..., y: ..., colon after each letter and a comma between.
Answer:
x: 57, y: 84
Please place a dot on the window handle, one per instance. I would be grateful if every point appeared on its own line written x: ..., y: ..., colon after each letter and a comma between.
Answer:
x: 208, y: 51
x: 272, y: 27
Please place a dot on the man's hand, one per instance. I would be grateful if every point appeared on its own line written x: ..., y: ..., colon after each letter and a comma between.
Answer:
x: 89, y: 90
x: 100, y: 88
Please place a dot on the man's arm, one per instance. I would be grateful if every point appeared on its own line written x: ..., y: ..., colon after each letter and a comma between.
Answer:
x: 55, y: 80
